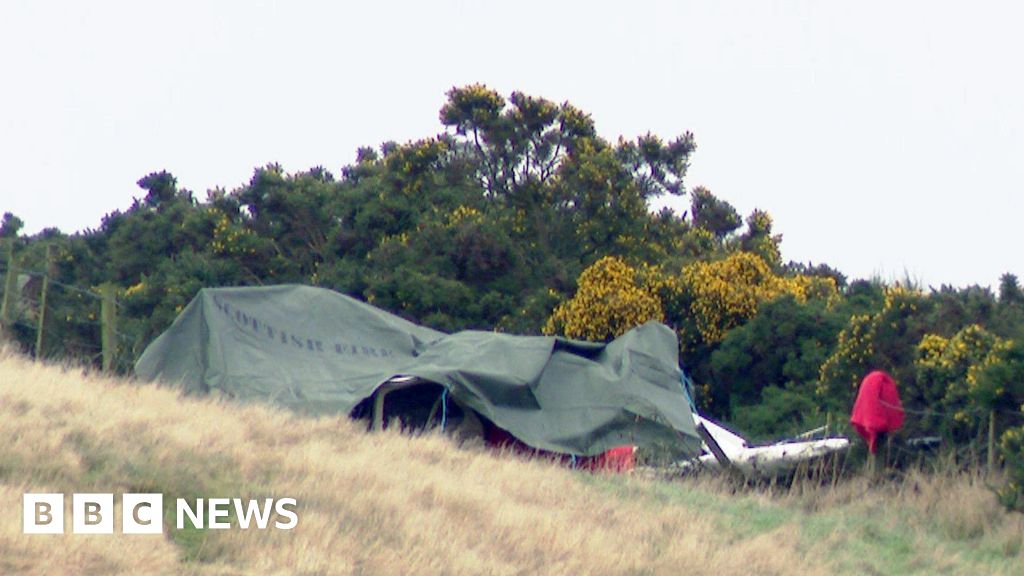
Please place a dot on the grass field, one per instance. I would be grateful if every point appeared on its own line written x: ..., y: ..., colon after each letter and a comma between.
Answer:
x: 395, y: 504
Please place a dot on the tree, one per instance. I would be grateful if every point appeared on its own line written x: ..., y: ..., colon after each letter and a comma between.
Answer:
x: 999, y: 384
x: 161, y: 188
x: 945, y: 386
x: 658, y: 167
x: 954, y: 308
x: 151, y: 230
x: 718, y: 296
x: 758, y: 238
x: 568, y: 187
x: 518, y: 147
x: 714, y: 215
x: 602, y: 209
x: 1009, y: 314
x: 1009, y: 289
x: 10, y: 225
x: 821, y: 270
x: 886, y: 338
x: 783, y: 345
x: 996, y: 382
x: 458, y: 270
x: 710, y: 298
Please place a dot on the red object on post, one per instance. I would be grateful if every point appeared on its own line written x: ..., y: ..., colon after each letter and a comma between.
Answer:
x: 878, y: 409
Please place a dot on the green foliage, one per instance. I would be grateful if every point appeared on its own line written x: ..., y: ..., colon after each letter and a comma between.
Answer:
x: 519, y: 217
x: 572, y: 193
x: 947, y: 381
x: 1011, y: 494
x: 998, y: 384
x: 480, y: 227
x: 720, y: 295
x: 783, y: 347
x: 657, y: 167
x: 1009, y: 314
x: 758, y: 238
x: 1009, y: 289
x: 161, y: 189
x: 603, y: 208
x: 10, y: 225
x: 952, y: 309
x: 820, y: 270
x: 779, y: 413
x: 714, y: 215
x: 886, y: 339
x: 517, y: 146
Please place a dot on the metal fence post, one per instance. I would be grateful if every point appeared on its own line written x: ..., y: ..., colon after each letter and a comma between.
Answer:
x: 10, y: 289
x: 108, y: 325
x: 42, y: 301
x: 992, y: 441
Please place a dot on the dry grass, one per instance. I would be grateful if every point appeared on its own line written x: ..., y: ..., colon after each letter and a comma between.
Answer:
x: 368, y: 504
x: 914, y: 522
x: 394, y: 504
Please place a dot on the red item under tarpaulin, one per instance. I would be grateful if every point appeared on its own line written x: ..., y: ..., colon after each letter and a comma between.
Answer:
x: 878, y: 409
x: 618, y: 459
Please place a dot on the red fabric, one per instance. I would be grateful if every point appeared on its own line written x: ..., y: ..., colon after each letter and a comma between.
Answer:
x: 618, y: 459
x: 878, y: 409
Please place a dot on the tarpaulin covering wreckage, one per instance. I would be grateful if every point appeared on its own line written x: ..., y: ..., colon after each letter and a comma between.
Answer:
x: 317, y: 351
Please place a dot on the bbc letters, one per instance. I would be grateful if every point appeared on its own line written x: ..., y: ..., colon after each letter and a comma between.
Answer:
x: 94, y: 513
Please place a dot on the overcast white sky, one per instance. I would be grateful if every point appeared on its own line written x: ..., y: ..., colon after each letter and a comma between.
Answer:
x: 884, y: 137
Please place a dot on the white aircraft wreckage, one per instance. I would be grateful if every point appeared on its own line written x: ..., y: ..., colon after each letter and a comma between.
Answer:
x: 724, y: 449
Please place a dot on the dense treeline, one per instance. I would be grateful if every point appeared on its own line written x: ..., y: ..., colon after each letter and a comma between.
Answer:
x: 518, y: 217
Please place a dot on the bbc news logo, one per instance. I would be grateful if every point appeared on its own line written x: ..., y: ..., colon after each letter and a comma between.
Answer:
x: 143, y: 513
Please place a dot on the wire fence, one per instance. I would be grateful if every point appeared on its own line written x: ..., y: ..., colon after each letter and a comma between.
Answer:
x: 952, y: 414
x: 55, y: 318
x: 97, y: 337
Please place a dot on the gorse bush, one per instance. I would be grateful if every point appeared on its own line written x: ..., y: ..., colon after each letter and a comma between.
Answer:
x: 612, y: 297
x: 723, y: 294
x: 997, y: 384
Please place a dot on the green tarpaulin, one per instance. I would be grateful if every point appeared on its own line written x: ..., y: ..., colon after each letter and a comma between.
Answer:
x: 317, y: 351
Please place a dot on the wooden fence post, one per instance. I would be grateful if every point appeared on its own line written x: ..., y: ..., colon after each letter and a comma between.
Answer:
x: 108, y: 325
x: 42, y: 301
x: 10, y: 289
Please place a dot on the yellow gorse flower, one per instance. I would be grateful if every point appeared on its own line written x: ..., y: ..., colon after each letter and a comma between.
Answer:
x: 612, y: 298
x: 728, y: 292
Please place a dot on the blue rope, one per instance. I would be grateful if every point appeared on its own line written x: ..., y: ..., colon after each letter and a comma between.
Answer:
x: 444, y: 409
x: 688, y: 390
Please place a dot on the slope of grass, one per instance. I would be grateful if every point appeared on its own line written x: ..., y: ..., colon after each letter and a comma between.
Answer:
x: 393, y: 504
x: 939, y: 523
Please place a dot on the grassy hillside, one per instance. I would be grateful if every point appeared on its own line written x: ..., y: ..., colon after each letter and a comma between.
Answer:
x: 393, y: 504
